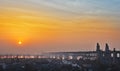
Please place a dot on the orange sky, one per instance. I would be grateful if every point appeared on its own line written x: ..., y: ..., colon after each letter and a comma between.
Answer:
x: 47, y: 27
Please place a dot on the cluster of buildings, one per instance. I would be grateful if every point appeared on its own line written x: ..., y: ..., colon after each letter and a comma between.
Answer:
x: 98, y: 60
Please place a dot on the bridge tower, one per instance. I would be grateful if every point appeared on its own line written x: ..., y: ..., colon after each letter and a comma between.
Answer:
x: 114, y: 56
x: 107, y: 54
x: 99, y: 53
x: 107, y: 48
x: 98, y: 47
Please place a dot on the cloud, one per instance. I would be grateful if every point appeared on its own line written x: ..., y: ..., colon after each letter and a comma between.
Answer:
x: 88, y: 7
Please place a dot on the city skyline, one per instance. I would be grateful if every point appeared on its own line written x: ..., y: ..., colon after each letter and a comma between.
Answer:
x: 35, y: 26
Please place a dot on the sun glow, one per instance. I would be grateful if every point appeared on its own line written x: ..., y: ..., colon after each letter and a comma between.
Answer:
x: 19, y: 42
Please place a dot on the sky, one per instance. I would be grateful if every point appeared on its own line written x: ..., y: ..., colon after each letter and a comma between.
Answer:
x: 58, y: 25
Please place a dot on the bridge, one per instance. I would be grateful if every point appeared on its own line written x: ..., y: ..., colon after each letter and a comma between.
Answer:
x: 105, y: 56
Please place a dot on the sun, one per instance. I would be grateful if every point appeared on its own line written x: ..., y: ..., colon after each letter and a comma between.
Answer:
x: 19, y: 42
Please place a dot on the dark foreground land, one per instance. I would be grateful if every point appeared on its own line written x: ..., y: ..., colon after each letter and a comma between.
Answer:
x: 46, y: 64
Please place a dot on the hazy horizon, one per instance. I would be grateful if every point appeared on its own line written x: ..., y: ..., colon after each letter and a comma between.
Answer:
x: 35, y: 26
